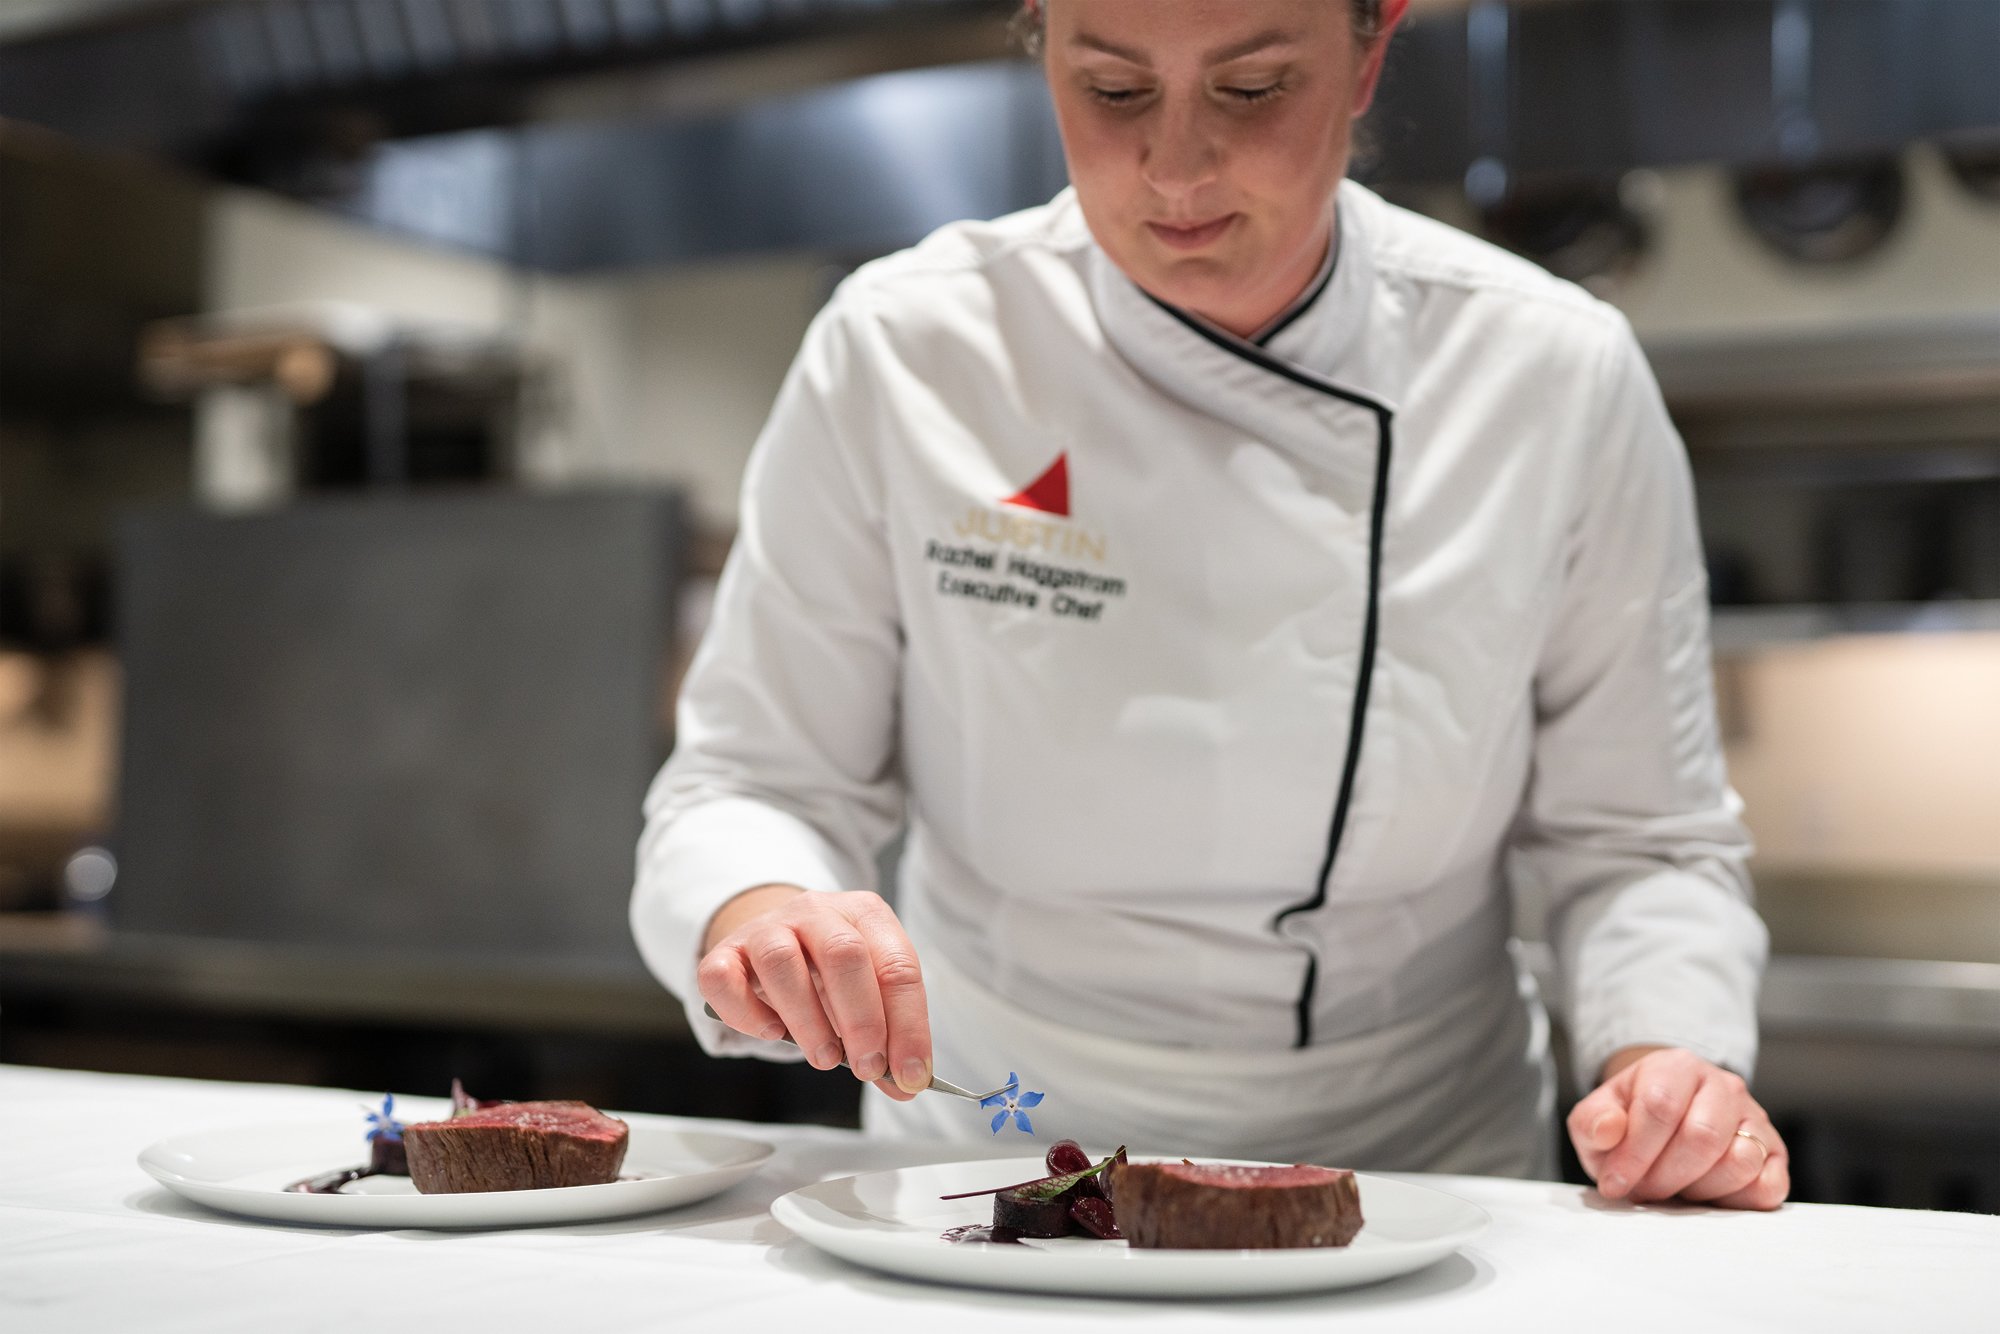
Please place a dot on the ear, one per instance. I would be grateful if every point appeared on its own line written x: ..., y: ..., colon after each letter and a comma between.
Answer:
x: 1371, y: 67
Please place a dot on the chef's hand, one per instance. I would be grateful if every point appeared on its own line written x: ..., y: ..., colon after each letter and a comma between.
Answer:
x: 1664, y: 1123
x: 835, y: 971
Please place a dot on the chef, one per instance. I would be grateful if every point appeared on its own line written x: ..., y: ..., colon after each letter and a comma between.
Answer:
x: 1240, y: 589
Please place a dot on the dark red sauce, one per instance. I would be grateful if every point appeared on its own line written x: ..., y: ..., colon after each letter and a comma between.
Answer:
x: 328, y: 1183
x: 386, y: 1157
x: 1005, y: 1236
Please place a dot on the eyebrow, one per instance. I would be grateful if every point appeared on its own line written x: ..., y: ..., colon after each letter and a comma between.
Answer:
x: 1234, y: 51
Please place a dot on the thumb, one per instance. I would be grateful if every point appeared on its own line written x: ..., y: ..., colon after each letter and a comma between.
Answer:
x: 1597, y: 1124
x: 1604, y: 1131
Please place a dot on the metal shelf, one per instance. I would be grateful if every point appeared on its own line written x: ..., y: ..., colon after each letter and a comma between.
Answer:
x: 1743, y: 629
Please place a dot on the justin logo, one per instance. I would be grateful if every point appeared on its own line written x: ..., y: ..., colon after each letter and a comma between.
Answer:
x: 1048, y: 493
x: 1001, y: 555
x: 1044, y: 499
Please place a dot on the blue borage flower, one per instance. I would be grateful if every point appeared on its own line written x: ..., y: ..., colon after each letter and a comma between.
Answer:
x: 1012, y: 1102
x: 383, y: 1124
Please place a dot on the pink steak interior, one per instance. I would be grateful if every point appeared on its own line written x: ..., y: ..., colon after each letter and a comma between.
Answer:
x: 1216, y: 1174
x: 569, y: 1118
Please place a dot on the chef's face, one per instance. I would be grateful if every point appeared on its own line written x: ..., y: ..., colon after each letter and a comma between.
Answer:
x: 1206, y: 138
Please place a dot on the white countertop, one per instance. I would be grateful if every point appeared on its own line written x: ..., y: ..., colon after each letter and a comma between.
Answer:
x: 89, y: 1243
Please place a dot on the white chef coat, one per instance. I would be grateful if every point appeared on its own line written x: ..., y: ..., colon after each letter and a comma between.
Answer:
x: 1229, y: 691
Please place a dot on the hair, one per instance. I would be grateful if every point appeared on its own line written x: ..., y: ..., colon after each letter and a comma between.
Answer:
x: 1033, y: 15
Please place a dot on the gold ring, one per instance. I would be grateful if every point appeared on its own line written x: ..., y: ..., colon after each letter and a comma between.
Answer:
x: 1744, y: 1134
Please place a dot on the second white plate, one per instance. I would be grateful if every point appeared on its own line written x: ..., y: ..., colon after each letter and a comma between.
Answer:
x: 246, y: 1171
x: 894, y: 1221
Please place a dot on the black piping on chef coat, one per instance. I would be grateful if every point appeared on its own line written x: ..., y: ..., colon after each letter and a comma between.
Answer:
x: 1370, y: 632
x: 1325, y: 281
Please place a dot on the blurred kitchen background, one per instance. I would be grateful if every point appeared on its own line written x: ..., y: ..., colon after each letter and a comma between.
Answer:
x: 376, y: 377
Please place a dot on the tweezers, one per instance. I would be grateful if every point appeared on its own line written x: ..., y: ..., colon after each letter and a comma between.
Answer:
x: 935, y: 1086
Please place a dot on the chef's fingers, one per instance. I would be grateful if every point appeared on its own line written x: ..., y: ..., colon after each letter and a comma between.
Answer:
x: 1603, y: 1134
x: 1701, y: 1142
x: 1661, y: 1089
x: 1742, y: 1163
x: 899, y: 982
x: 888, y: 1086
x: 843, y: 958
x: 778, y: 957
x: 1772, y: 1185
x: 1597, y: 1123
x: 726, y: 983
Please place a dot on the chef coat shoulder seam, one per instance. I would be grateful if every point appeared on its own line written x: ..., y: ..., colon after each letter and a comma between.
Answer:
x: 1600, y: 315
x: 976, y: 247
x: 896, y: 269
x: 1422, y: 250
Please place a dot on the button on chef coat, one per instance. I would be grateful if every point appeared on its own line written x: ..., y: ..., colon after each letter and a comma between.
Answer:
x: 1228, y: 691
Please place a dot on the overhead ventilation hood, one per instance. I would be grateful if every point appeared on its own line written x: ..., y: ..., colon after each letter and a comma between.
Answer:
x: 590, y: 134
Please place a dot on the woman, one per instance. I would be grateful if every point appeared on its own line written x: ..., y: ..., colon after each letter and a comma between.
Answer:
x: 1240, y: 586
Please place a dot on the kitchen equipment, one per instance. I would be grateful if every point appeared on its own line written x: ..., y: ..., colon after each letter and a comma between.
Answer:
x: 1592, y: 231
x: 1881, y: 544
x: 416, y: 725
x: 1974, y: 563
x: 1829, y: 213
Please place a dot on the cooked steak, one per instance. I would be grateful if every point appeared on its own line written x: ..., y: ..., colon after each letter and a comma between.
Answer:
x: 516, y: 1146
x: 1182, y: 1206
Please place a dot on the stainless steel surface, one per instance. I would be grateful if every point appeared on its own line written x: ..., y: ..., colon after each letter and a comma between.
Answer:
x: 1901, y: 363
x: 417, y: 722
x: 1736, y: 630
x: 71, y: 959
x: 1903, y: 998
x: 1893, y: 1038
x: 1853, y: 997
x: 508, y: 128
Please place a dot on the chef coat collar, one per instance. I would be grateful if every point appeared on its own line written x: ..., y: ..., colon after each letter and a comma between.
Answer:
x: 1303, y: 302
x: 1321, y: 348
x: 1315, y: 392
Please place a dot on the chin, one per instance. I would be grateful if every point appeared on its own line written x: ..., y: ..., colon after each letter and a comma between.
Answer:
x: 1192, y: 282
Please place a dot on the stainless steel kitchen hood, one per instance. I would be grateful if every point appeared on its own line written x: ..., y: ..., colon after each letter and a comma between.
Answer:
x: 581, y: 134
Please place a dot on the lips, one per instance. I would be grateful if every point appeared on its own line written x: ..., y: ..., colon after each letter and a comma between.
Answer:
x: 1192, y: 236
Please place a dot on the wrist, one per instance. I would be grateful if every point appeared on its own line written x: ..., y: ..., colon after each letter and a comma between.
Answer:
x: 753, y: 902
x: 1625, y: 1058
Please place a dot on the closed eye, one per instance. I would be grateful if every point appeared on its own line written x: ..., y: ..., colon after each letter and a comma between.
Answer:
x: 1253, y: 95
x: 1117, y: 97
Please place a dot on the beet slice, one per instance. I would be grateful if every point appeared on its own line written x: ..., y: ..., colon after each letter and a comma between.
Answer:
x: 1067, y: 1156
x: 1093, y: 1214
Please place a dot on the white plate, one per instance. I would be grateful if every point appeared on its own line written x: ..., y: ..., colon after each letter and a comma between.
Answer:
x: 893, y: 1221
x: 246, y: 1172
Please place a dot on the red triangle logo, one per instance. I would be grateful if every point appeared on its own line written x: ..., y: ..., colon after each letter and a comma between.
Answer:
x: 1048, y: 493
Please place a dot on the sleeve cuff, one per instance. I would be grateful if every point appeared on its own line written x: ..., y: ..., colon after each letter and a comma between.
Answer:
x: 1591, y: 1047
x: 696, y: 862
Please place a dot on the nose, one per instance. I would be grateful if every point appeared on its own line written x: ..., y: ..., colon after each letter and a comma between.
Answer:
x: 1179, y: 155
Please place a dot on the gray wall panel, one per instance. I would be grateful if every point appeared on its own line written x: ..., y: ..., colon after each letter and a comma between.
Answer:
x: 416, y: 724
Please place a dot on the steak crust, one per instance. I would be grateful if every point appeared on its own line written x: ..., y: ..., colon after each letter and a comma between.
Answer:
x: 516, y: 1146
x: 1181, y: 1206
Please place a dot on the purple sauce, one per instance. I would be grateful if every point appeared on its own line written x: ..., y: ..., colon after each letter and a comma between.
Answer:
x: 1005, y: 1236
x: 329, y: 1183
x: 386, y: 1157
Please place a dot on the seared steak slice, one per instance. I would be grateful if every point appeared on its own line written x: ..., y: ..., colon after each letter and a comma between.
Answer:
x: 1180, y: 1206
x: 516, y: 1146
